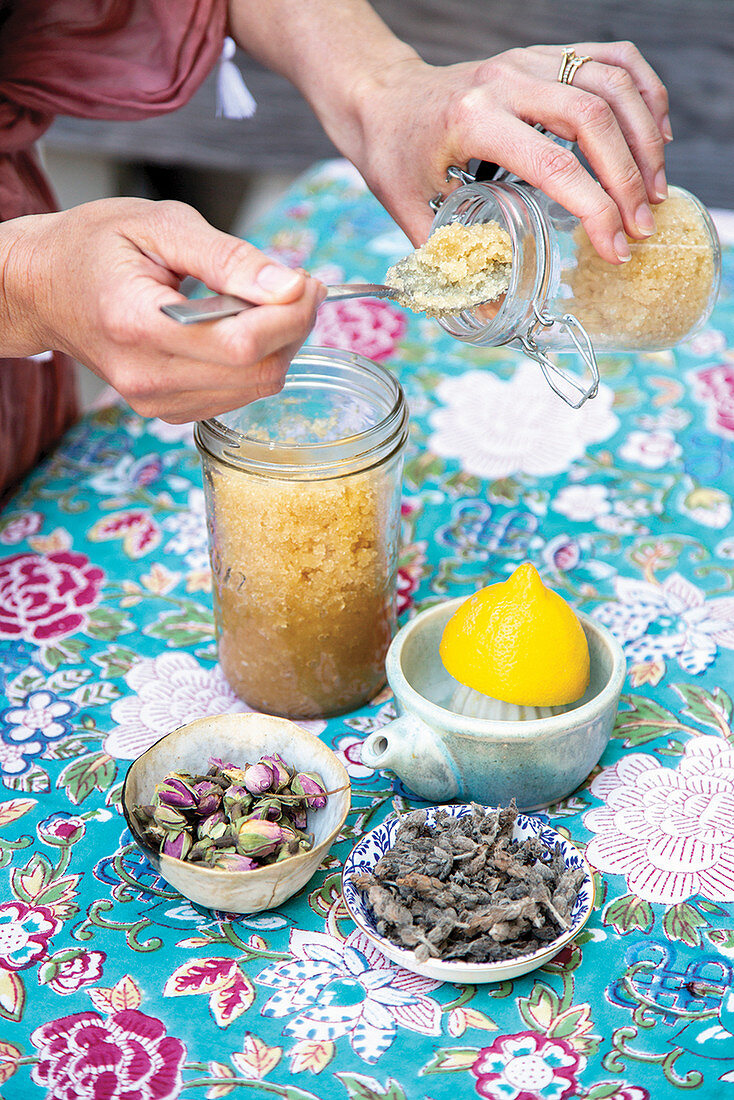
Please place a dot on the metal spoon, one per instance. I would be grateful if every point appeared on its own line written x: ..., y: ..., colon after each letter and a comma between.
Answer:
x: 226, y: 305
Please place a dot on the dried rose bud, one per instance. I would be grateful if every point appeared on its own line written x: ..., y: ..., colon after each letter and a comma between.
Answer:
x: 236, y: 796
x: 154, y: 835
x: 216, y: 763
x: 267, y: 809
x: 208, y: 797
x: 224, y: 850
x: 299, y: 817
x: 277, y: 765
x: 231, y: 861
x: 175, y: 790
x: 213, y: 826
x: 258, y: 778
x: 258, y: 838
x: 169, y: 817
x: 177, y: 845
x: 294, y: 847
x: 310, y: 785
x: 234, y: 775
x: 201, y: 849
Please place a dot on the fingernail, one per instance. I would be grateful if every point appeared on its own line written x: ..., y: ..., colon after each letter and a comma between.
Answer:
x: 644, y: 219
x: 661, y: 185
x: 278, y: 279
x: 665, y: 129
x: 622, y: 248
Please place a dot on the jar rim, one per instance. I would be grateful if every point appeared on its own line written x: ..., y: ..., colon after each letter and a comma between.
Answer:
x: 332, y: 369
x: 512, y: 199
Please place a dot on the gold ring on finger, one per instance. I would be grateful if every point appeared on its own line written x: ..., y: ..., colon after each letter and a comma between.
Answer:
x: 570, y: 65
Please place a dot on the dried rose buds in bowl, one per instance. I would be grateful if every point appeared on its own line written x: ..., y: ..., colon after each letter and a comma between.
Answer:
x: 242, y: 836
x: 234, y: 817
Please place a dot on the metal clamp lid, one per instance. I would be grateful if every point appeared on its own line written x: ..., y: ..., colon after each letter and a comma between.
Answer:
x: 572, y: 388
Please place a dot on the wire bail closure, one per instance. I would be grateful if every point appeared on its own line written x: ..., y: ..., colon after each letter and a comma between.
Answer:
x: 571, y: 388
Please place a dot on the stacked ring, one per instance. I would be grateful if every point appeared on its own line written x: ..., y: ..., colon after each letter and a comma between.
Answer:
x: 570, y: 64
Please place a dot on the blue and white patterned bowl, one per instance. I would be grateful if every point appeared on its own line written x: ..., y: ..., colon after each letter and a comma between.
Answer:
x: 364, y: 856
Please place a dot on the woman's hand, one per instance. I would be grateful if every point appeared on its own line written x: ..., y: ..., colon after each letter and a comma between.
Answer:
x: 415, y: 120
x: 91, y: 281
x: 403, y: 122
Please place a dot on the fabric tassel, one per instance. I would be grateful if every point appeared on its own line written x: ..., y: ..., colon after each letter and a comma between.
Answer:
x: 234, y: 99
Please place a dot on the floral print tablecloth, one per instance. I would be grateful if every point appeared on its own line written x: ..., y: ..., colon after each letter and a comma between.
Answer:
x: 113, y: 986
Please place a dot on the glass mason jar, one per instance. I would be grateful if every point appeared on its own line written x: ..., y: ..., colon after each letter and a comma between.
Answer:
x: 303, y: 510
x: 564, y: 298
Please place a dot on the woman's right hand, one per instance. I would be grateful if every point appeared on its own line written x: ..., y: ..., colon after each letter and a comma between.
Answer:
x: 91, y: 282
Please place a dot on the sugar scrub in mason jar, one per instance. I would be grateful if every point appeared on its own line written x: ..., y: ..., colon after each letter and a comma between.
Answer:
x: 562, y: 297
x: 303, y: 509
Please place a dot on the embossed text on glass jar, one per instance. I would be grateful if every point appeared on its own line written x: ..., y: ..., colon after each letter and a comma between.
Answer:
x: 303, y: 508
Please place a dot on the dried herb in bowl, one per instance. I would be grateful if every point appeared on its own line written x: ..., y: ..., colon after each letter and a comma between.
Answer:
x: 462, y: 889
x: 234, y: 818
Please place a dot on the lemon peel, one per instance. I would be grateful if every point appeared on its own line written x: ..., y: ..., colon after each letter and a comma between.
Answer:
x: 518, y: 641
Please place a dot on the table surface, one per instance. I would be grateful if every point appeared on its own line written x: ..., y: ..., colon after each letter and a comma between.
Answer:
x: 109, y: 977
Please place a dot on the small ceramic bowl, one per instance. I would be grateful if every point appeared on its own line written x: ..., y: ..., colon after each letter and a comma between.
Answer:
x: 241, y: 739
x: 443, y: 756
x: 372, y: 847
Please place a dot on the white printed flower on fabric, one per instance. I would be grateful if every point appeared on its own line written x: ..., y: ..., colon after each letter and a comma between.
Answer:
x: 709, y: 507
x: 333, y: 988
x: 669, y: 620
x: 340, y: 171
x: 582, y: 503
x: 669, y: 831
x: 496, y: 428
x: 189, y: 532
x: 167, y: 692
x: 710, y: 341
x: 653, y: 450
x: 170, y: 433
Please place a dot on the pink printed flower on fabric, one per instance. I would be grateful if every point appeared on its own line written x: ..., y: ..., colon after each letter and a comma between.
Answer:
x: 715, y: 387
x: 369, y: 327
x: 44, y: 598
x: 411, y: 568
x: 24, y: 934
x: 21, y: 526
x: 349, y: 751
x: 669, y: 831
x: 526, y: 1066
x: 68, y: 970
x: 126, y: 1056
x: 62, y: 829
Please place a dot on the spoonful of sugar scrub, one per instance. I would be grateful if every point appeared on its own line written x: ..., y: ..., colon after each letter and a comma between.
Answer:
x: 459, y: 267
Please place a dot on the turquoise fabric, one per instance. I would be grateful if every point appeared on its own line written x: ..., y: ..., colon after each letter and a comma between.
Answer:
x: 114, y: 986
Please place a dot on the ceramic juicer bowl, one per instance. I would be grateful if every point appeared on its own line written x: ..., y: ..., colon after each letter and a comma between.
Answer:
x: 443, y: 756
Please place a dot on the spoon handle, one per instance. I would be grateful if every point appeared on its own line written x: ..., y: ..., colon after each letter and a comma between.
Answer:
x: 226, y: 305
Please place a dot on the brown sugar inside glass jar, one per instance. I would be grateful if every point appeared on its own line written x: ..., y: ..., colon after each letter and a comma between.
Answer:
x: 563, y: 297
x: 303, y: 508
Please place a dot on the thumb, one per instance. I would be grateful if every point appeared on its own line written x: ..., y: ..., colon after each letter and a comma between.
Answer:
x: 179, y: 238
